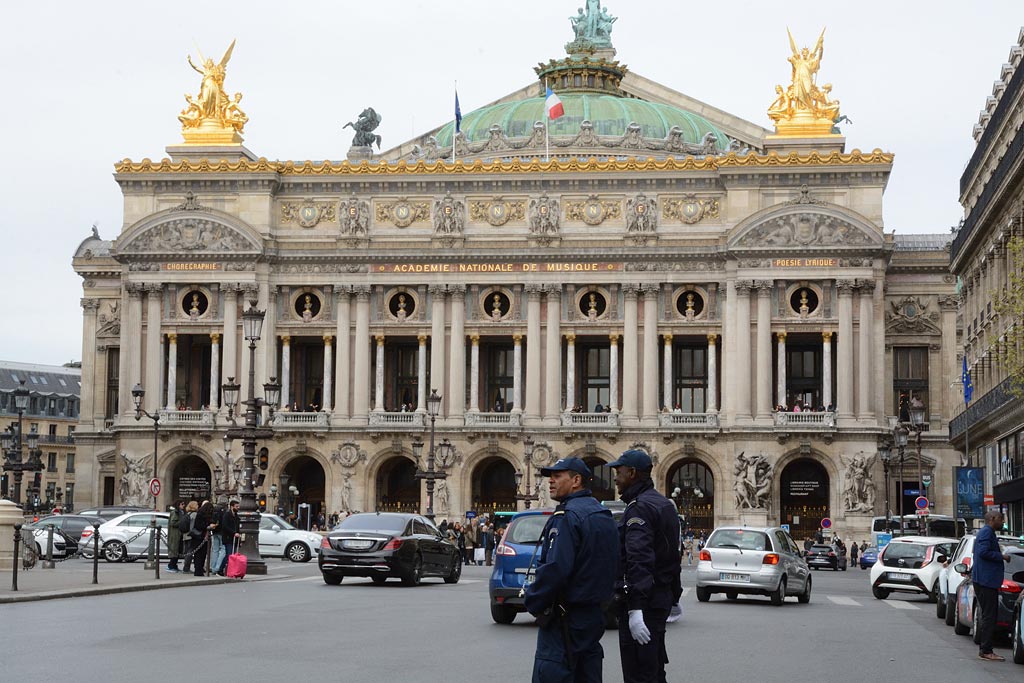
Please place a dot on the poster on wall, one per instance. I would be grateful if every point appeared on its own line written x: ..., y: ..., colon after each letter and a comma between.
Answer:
x: 969, y: 492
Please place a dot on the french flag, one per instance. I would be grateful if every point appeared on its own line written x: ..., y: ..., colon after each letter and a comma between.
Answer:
x: 553, y: 104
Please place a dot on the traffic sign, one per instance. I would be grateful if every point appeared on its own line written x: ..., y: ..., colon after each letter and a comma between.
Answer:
x: 923, y: 513
x: 784, y: 527
x: 154, y: 487
x: 826, y: 523
x: 470, y: 514
x: 921, y: 503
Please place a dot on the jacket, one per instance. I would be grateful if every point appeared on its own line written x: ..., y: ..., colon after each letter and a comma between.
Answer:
x: 173, y: 533
x: 228, y: 527
x: 987, y: 568
x: 649, y: 549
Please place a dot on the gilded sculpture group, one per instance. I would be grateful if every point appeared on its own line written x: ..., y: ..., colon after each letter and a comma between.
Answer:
x: 213, y: 106
x: 804, y: 98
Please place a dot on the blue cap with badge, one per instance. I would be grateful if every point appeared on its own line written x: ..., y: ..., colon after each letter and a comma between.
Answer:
x: 568, y: 464
x: 634, y: 458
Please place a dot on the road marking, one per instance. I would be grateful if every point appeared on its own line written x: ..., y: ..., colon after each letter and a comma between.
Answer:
x: 303, y: 578
x: 841, y: 600
x: 899, y: 604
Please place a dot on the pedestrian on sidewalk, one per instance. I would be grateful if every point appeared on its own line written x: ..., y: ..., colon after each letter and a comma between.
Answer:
x: 987, y: 577
x: 228, y: 532
x: 488, y: 542
x: 174, y: 534
x: 854, y: 551
x: 218, y: 553
x: 469, y: 535
x: 204, y: 527
x: 191, y: 538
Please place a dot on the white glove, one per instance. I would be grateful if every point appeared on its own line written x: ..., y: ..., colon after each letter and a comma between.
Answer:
x: 637, y: 628
x: 676, y: 613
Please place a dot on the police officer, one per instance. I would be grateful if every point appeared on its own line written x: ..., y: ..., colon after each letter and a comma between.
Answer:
x: 575, y: 575
x: 648, y: 583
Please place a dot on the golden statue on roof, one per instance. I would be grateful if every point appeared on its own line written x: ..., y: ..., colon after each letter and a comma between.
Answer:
x: 212, y: 117
x: 803, y: 109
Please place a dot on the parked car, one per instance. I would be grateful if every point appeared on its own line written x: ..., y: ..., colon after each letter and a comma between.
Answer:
x: 826, y: 557
x: 69, y: 531
x: 126, y: 537
x: 519, y: 548
x: 278, y: 538
x: 868, y: 557
x: 382, y: 545
x: 1017, y: 629
x: 949, y: 580
x: 751, y: 561
x: 910, y: 564
x: 966, y: 612
x: 63, y: 545
x: 109, y: 512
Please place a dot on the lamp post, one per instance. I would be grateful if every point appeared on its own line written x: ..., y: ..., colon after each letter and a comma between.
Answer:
x: 430, y: 474
x: 12, y: 443
x: 248, y: 514
x: 900, y: 439
x: 138, y: 393
x: 227, y: 486
x: 531, y: 492
x: 683, y: 498
x: 918, y: 423
x: 885, y: 455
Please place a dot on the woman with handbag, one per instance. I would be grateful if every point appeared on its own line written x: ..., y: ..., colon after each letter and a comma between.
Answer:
x: 203, y: 527
x: 188, y: 539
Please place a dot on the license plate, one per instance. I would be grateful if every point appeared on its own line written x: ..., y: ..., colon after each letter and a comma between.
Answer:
x: 745, y: 578
x: 896, y: 576
x: 358, y: 545
x: 528, y: 579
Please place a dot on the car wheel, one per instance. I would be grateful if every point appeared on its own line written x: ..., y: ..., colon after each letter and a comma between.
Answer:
x: 378, y: 580
x: 933, y: 594
x: 805, y: 597
x: 940, y: 604
x: 880, y: 593
x: 778, y: 596
x: 297, y: 552
x: 114, y: 551
x: 703, y: 594
x: 415, y: 574
x: 844, y: 567
x: 502, y: 614
x: 958, y: 626
x: 976, y: 625
x: 950, y: 610
x: 1018, y: 641
x: 456, y: 572
x: 333, y: 579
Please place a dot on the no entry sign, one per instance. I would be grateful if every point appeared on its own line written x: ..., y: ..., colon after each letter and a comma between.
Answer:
x: 154, y: 487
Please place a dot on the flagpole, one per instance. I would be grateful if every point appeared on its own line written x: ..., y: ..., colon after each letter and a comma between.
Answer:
x: 455, y: 125
x: 547, y: 124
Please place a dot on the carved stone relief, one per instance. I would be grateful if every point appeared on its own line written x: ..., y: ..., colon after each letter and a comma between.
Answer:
x: 402, y: 213
x: 690, y: 208
x: 348, y: 455
x: 189, y: 235
x: 804, y: 229
x: 912, y: 315
x: 498, y: 211
x: 308, y: 213
x: 592, y: 210
x: 449, y: 216
x: 543, y: 217
x: 641, y: 219
x: 355, y: 217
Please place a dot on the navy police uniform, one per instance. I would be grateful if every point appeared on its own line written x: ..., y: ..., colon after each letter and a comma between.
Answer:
x: 575, y: 575
x: 649, y: 577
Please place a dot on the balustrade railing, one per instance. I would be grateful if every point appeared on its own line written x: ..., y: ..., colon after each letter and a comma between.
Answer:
x: 590, y: 420
x: 300, y: 419
x: 196, y: 418
x: 689, y: 420
x: 404, y: 420
x: 493, y: 420
x: 806, y: 419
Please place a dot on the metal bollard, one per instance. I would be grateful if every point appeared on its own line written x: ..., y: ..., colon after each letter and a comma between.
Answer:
x: 149, y: 556
x: 157, y: 553
x: 48, y: 563
x: 95, y: 553
x: 17, y: 557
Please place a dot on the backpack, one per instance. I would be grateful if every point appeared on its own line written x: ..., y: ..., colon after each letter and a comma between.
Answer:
x: 192, y: 530
x: 184, y: 522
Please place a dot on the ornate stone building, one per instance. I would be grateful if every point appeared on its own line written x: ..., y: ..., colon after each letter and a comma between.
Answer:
x: 668, y: 279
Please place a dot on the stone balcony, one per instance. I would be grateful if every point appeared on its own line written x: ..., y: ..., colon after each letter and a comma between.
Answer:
x: 301, y: 420
x: 809, y: 421
x: 381, y: 421
x: 688, y: 421
x: 590, y: 421
x: 494, y: 421
x: 187, y: 419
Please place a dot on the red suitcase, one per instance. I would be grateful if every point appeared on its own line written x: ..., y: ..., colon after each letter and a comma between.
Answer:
x: 237, y: 564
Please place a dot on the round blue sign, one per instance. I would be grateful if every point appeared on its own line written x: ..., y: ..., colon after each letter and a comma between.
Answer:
x: 826, y: 523
x: 921, y: 503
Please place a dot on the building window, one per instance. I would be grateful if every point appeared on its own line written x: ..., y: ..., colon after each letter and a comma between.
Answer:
x: 406, y: 380
x: 70, y: 469
x: 33, y: 405
x: 71, y: 431
x: 53, y: 430
x: 910, y: 379
x: 113, y: 371
x: 500, y: 378
x: 69, y: 496
x: 51, y: 462
x: 596, y: 378
x: 690, y: 383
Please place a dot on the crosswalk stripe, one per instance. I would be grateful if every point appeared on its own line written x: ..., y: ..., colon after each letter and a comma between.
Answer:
x: 841, y: 600
x: 898, y: 604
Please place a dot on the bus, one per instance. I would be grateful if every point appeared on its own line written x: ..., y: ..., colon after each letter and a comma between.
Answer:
x: 938, y: 525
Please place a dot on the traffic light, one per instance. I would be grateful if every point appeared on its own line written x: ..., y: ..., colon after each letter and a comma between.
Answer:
x: 262, y: 502
x: 264, y: 456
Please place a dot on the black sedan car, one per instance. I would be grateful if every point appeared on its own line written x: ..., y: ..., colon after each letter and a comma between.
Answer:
x: 385, y: 545
x: 826, y: 556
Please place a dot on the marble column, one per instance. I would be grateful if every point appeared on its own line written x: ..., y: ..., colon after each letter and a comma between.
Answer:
x: 613, y: 375
x: 328, y: 373
x: 650, y: 390
x: 727, y: 401
x: 826, y: 368
x: 517, y: 373
x: 134, y: 324
x: 666, y: 390
x: 533, y: 383
x: 154, y: 359
x: 214, y: 371
x: 230, y: 365
x: 421, y: 374
x: 743, y: 377
x: 764, y: 350
x: 780, y: 370
x: 865, y: 409
x: 361, y: 367
x: 553, y: 352
x: 844, y: 388
x: 378, y: 404
x: 437, y: 327
x: 286, y: 371
x: 457, y: 354
x: 248, y: 295
x: 630, y: 353
x: 172, y: 371
x: 570, y: 371
x: 712, y: 403
x: 474, y: 373
x: 90, y: 385
x: 343, y: 370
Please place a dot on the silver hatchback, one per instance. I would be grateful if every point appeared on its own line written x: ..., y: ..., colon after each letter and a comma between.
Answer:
x: 752, y: 561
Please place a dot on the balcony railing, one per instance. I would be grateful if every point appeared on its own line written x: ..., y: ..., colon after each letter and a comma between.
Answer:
x: 591, y: 420
x: 806, y: 420
x: 983, y: 407
x: 53, y: 438
x: 187, y: 418
x: 299, y: 420
x: 496, y: 421
x: 396, y: 420
x: 689, y: 420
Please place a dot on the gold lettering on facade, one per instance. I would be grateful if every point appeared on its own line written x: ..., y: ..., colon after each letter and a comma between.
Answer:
x: 805, y: 263
x: 191, y: 266
x: 523, y: 267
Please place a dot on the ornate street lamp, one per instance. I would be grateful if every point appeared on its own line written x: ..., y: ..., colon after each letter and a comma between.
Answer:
x: 885, y: 455
x: 918, y: 423
x: 138, y: 393
x: 430, y: 474
x: 531, y: 492
x: 899, y: 436
x: 12, y: 444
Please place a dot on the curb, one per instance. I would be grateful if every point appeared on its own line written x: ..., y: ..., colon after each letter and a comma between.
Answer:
x: 109, y: 590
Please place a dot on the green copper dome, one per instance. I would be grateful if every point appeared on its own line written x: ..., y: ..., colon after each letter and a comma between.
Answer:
x: 609, y: 115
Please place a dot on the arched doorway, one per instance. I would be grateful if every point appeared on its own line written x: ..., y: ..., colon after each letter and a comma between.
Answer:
x: 398, y: 489
x: 603, y: 484
x: 691, y: 485
x: 191, y: 479
x: 303, y: 483
x: 804, y: 497
x: 494, y: 485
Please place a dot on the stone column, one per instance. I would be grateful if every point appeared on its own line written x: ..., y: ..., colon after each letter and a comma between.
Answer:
x: 667, y: 374
x: 230, y: 365
x: 328, y: 372
x: 865, y: 388
x: 90, y: 385
x: 361, y: 369
x: 780, y: 370
x: 437, y: 344
x: 154, y: 359
x: 517, y: 373
x: 286, y: 371
x: 630, y: 353
x: 650, y: 391
x: 214, y: 370
x: 881, y: 365
x: 474, y: 374
x: 172, y: 370
x: 134, y: 349
x: 570, y: 371
x: 727, y: 401
x: 826, y: 368
x: 343, y: 370
x: 951, y: 395
x: 378, y: 405
x: 457, y: 388
x: 553, y: 364
x: 613, y: 374
x: 742, y: 346
x: 421, y: 375
x: 533, y: 384
x: 844, y: 388
x: 712, y: 402
x: 764, y: 350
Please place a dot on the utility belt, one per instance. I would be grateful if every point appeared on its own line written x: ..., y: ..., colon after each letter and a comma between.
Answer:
x: 556, y: 612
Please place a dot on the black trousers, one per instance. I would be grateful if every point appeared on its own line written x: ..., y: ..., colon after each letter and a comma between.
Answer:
x: 988, y: 599
x: 199, y: 557
x: 644, y: 663
x: 584, y: 661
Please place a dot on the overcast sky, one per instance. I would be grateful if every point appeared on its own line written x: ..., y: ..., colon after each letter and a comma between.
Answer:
x: 87, y: 84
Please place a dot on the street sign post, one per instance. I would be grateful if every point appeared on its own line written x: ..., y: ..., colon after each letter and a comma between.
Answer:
x: 826, y: 523
x: 154, y: 487
x: 921, y: 503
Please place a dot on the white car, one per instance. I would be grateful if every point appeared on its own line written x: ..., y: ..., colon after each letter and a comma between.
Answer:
x: 945, y: 606
x: 278, y: 538
x: 62, y: 545
x: 911, y: 564
x: 126, y: 537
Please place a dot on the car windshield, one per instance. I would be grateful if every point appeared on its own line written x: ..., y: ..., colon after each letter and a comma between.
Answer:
x: 821, y: 548
x: 392, y: 524
x: 526, y: 530
x: 1015, y: 565
x: 739, y: 538
x: 274, y: 519
x: 905, y: 551
x: 872, y: 550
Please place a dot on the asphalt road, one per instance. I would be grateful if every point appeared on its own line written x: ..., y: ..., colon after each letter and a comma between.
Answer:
x: 293, y: 627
